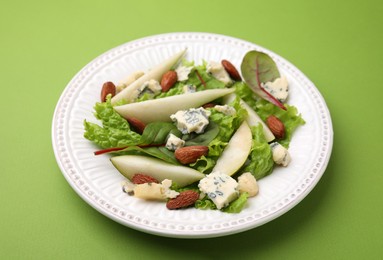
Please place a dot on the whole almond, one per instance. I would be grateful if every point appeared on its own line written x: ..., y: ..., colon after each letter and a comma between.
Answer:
x: 137, y: 124
x: 190, y: 154
x: 168, y: 80
x: 140, y: 178
x: 107, y: 88
x: 276, y: 126
x: 184, y: 199
x: 231, y: 70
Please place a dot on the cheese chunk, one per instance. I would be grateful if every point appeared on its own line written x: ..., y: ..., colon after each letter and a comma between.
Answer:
x: 220, y: 188
x: 189, y: 88
x: 248, y: 183
x: 191, y: 120
x: 218, y: 72
x: 226, y: 109
x: 183, y: 72
x: 279, y: 88
x: 280, y: 154
x: 173, y: 142
x: 151, y: 87
x: 155, y: 191
x: 128, y: 187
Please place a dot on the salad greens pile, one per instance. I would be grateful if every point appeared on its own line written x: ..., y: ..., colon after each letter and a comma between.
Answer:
x: 116, y: 136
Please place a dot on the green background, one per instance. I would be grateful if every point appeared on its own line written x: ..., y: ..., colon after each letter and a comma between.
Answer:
x: 337, y: 44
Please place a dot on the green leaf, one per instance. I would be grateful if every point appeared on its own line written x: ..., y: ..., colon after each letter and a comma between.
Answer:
x: 290, y: 118
x: 157, y: 133
x: 208, y: 135
x: 258, y: 67
x: 157, y: 152
x: 205, y: 204
x: 115, y: 130
x: 237, y: 205
x: 260, y: 161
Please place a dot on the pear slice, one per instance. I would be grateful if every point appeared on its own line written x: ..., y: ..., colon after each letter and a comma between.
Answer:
x: 161, y: 109
x: 130, y: 93
x: 252, y: 118
x: 236, y: 152
x: 128, y: 165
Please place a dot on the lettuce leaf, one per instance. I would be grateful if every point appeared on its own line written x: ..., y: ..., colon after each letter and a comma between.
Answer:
x: 290, y: 118
x: 115, y: 130
x: 205, y: 204
x: 260, y: 161
x: 237, y: 205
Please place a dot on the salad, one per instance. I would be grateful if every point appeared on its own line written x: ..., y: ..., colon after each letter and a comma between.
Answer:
x: 197, y: 135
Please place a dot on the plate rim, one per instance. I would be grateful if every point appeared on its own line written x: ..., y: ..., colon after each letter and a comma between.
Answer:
x: 108, y: 212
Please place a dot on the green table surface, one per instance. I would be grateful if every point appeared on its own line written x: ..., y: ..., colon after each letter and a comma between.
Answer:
x: 337, y: 44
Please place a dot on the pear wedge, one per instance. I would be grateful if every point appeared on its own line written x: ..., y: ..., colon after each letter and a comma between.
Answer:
x: 252, y: 118
x: 130, y: 93
x: 236, y: 152
x: 128, y: 165
x: 161, y: 109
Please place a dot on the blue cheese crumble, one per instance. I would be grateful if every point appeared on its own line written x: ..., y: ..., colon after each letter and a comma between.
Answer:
x: 189, y: 88
x: 151, y: 87
x: 191, y: 120
x: 280, y: 154
x: 155, y: 191
x: 279, y: 88
x: 226, y: 109
x: 183, y: 72
x: 218, y: 72
x: 220, y: 188
x: 173, y: 142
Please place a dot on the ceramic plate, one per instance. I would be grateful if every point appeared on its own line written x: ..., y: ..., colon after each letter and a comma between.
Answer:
x: 99, y: 183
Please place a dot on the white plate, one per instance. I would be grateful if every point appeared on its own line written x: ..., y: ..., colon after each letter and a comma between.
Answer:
x: 98, y: 182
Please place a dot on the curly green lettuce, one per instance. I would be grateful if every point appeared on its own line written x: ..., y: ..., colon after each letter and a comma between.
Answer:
x: 115, y: 130
x: 260, y: 161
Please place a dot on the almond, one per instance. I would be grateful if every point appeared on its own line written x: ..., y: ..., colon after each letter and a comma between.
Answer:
x: 140, y: 178
x: 231, y: 70
x: 168, y: 80
x: 190, y: 154
x: 107, y: 88
x: 209, y: 105
x: 137, y: 124
x: 276, y: 126
x: 184, y: 199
